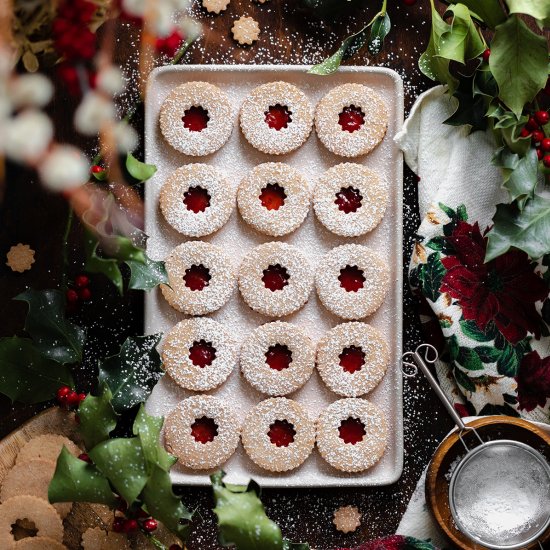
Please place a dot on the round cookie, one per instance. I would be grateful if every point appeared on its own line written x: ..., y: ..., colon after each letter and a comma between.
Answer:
x: 196, y: 118
x: 275, y: 279
x: 352, y: 281
x: 202, y: 431
x: 352, y: 359
x: 276, y: 118
x: 351, y: 120
x: 98, y: 539
x: 352, y: 434
x: 38, y: 543
x: 32, y: 478
x: 278, y: 435
x: 199, y: 354
x: 274, y: 199
x: 277, y: 358
x: 201, y: 278
x: 24, y: 507
x: 350, y: 200
x: 196, y: 200
x: 47, y: 447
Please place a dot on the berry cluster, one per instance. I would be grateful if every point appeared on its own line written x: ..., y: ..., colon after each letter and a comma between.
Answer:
x: 80, y: 292
x: 68, y: 398
x: 134, y: 518
x: 170, y: 44
x: 534, y: 129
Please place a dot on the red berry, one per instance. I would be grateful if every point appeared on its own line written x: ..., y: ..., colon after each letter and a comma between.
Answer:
x: 524, y: 133
x: 62, y: 392
x: 81, y: 281
x: 149, y: 525
x: 72, y: 399
x: 130, y: 525
x: 542, y: 117
x: 72, y: 296
x: 118, y: 524
x: 486, y: 54
x: 409, y: 2
x: 540, y: 154
x: 85, y: 457
x: 537, y: 136
x: 532, y: 124
x: 95, y: 169
x: 81, y: 397
x: 546, y: 161
x: 545, y: 145
x: 85, y: 294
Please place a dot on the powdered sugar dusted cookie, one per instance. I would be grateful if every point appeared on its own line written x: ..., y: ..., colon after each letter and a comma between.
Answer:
x: 215, y: 6
x: 201, y: 278
x: 197, y: 200
x: 199, y: 354
x: 350, y: 200
x: 352, y: 281
x: 352, y: 434
x: 202, y: 432
x: 276, y: 118
x: 196, y: 118
x: 351, y: 120
x: 245, y: 30
x: 278, y: 435
x: 274, y: 199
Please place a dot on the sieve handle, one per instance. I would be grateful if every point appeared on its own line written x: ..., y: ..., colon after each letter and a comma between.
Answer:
x: 430, y: 356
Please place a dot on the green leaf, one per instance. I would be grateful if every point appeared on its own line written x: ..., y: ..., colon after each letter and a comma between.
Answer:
x: 379, y: 30
x: 288, y: 545
x: 100, y: 176
x: 471, y: 330
x: 539, y: 9
x: 97, y: 417
x: 97, y: 264
x: 464, y: 380
x: 431, y: 274
x: 148, y: 428
x: 139, y: 170
x: 147, y: 275
x: 462, y: 40
x: 469, y: 359
x: 471, y: 108
x: 241, y: 517
x: 132, y: 373
x: 487, y: 354
x: 75, y: 480
x: 122, y: 461
x: 526, y: 229
x: 508, y: 362
x: 489, y: 11
x: 522, y: 180
x: 52, y: 334
x: 453, y: 347
x: 26, y: 375
x: 519, y: 63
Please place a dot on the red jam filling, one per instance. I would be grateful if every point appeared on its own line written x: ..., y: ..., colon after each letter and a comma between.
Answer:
x: 351, y: 278
x: 272, y: 196
x: 275, y: 277
x: 204, y: 430
x: 197, y: 277
x: 195, y: 119
x: 278, y: 116
x: 278, y: 357
x: 348, y: 200
x: 351, y: 119
x: 202, y: 353
x: 281, y: 433
x: 196, y: 199
x: 352, y: 359
x: 352, y: 430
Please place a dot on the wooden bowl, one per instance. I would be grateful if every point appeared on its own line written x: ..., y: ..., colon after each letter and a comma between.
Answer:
x: 451, y: 450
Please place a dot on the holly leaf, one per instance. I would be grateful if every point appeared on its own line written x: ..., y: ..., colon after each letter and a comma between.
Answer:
x: 489, y: 11
x: 98, y: 264
x: 288, y: 545
x: 147, y: 275
x: 519, y: 63
x: 378, y: 32
x: 462, y: 40
x: 470, y: 109
x: 139, y: 170
x: 163, y: 505
x: 431, y: 274
x: 540, y: 10
x: 132, y: 373
x: 52, y: 334
x: 75, y: 480
x: 97, y: 417
x: 122, y: 461
x: 241, y: 517
x: 526, y: 229
x: 522, y: 180
x: 26, y: 374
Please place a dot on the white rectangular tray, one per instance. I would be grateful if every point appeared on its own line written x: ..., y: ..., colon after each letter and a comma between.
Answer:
x: 235, y: 159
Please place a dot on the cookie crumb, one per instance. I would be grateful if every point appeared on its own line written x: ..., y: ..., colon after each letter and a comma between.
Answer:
x: 347, y: 519
x: 245, y: 30
x: 215, y: 6
x: 20, y: 257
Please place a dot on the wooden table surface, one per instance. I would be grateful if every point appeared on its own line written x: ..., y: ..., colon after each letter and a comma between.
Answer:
x: 28, y: 214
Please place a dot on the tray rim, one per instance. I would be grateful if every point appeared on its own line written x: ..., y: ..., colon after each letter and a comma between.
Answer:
x: 349, y: 481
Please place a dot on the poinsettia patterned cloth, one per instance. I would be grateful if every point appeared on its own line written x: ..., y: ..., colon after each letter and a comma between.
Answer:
x: 494, y: 316
x: 396, y: 542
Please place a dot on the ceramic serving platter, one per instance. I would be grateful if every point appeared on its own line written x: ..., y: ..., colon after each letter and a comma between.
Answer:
x: 235, y: 159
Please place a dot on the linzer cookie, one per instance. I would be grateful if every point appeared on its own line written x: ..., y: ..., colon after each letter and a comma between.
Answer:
x: 277, y: 358
x: 352, y: 281
x: 276, y: 118
x: 278, y: 435
x: 352, y: 434
x: 202, y: 432
x: 275, y: 279
x: 352, y: 359
x: 201, y: 278
x: 350, y: 200
x: 196, y: 118
x: 274, y: 199
x: 197, y: 200
x: 199, y: 354
x: 351, y: 120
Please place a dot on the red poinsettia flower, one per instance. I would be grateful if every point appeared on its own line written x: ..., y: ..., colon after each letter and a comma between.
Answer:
x: 533, y: 381
x: 503, y: 290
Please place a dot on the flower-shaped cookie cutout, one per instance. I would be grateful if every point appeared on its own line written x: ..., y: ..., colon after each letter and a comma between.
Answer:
x: 215, y: 6
x: 245, y: 30
x: 20, y: 257
x: 347, y: 519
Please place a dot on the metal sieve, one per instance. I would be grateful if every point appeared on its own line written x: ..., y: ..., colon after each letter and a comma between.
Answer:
x: 499, y: 492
